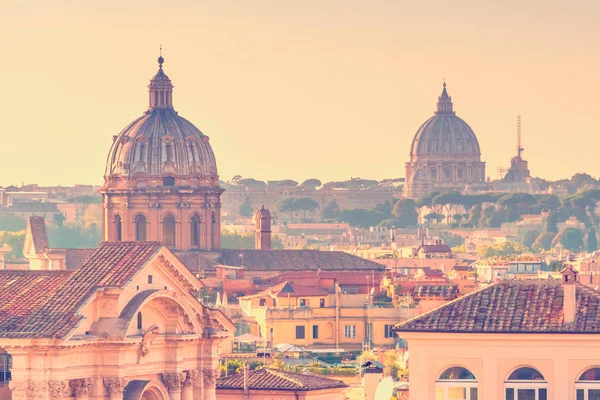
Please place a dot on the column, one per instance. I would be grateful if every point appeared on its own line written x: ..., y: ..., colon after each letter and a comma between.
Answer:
x: 27, y: 390
x: 210, y: 383
x: 172, y: 382
x: 198, y: 386
x: 187, y: 386
x: 57, y: 389
x: 81, y: 388
x: 115, y: 386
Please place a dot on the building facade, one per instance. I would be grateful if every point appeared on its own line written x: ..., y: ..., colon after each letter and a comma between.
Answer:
x: 161, y: 180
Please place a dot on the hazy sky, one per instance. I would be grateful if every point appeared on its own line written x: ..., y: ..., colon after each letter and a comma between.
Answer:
x: 299, y: 89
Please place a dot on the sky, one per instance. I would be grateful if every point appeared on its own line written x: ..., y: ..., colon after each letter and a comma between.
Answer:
x: 327, y: 89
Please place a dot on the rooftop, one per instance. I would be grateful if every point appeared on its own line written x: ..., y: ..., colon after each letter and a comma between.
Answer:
x: 534, y: 306
x: 269, y: 379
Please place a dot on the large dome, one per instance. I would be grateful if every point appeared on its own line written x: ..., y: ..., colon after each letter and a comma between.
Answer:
x: 162, y: 144
x: 445, y: 135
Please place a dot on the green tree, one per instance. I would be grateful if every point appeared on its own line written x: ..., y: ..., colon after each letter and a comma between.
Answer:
x: 12, y: 223
x: 361, y: 217
x: 548, y: 202
x: 528, y: 237
x: 232, y: 240
x: 448, y: 201
x: 58, y: 219
x: 74, y: 235
x: 405, y: 210
x: 276, y: 243
x: 331, y: 210
x: 592, y: 241
x: 570, y: 238
x: 384, y: 207
x: 505, y: 249
x: 552, y: 222
x: 425, y: 200
x: 305, y: 204
x: 312, y: 183
x: 475, y: 215
x: 246, y: 208
x: 543, y: 241
x: 434, y: 217
x: 14, y: 240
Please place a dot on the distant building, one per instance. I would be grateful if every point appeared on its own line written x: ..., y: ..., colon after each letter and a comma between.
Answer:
x: 444, y: 154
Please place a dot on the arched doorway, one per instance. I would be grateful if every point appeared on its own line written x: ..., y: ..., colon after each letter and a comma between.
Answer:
x: 526, y: 383
x: 145, y: 390
x: 169, y: 235
x: 456, y: 383
x: 587, y: 386
x: 140, y: 228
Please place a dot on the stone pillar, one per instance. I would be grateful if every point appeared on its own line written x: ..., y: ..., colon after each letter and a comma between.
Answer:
x: 28, y: 390
x: 115, y: 386
x: 172, y: 382
x: 210, y: 383
x: 81, y: 388
x: 187, y: 390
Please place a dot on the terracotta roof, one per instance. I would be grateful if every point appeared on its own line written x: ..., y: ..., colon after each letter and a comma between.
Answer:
x: 461, y: 268
x: 436, y: 248
x: 311, y: 278
x: 432, y: 272
x: 291, y: 289
x: 112, y: 264
x: 75, y: 257
x: 447, y: 292
x: 39, y: 236
x: 194, y: 261
x: 512, y: 307
x: 269, y: 379
x: 301, y: 260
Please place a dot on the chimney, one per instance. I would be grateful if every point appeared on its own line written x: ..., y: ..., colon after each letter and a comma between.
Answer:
x: 569, y: 284
x: 262, y: 219
x: 246, y: 371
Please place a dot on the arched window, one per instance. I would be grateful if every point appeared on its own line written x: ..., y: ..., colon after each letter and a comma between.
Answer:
x: 169, y: 230
x: 195, y: 230
x: 139, y: 320
x: 526, y: 383
x: 456, y: 383
x: 118, y: 228
x: 140, y: 228
x: 5, y: 366
x: 588, y: 385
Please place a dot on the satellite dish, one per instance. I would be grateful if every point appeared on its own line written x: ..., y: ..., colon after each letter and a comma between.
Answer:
x: 384, y: 389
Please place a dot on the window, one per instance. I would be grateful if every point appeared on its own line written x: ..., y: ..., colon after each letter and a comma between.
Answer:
x: 139, y: 320
x: 349, y: 331
x: 262, y: 302
x: 388, y: 333
x: 195, y: 230
x: 168, y: 181
x: 169, y: 230
x: 304, y: 302
x: 587, y: 386
x: 150, y: 278
x: 322, y: 303
x: 140, y: 228
x: 5, y: 366
x: 525, y: 384
x: 119, y: 228
x: 315, y: 331
x: 300, y: 332
x: 456, y: 383
x: 459, y: 173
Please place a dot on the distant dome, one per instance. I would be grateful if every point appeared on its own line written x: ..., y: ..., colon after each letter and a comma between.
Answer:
x: 445, y: 135
x: 161, y: 143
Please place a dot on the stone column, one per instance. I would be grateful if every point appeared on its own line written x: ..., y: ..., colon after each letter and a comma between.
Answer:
x: 28, y: 390
x: 115, y: 386
x: 57, y: 389
x: 187, y: 391
x: 173, y: 381
x: 210, y: 383
x: 81, y: 388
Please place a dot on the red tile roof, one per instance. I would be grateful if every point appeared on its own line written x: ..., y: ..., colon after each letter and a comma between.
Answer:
x: 112, y: 264
x: 75, y: 257
x: 425, y: 291
x: 270, y: 379
x: 436, y: 248
x: 298, y: 260
x: 512, y: 307
x: 39, y: 236
x: 291, y: 289
x: 311, y: 278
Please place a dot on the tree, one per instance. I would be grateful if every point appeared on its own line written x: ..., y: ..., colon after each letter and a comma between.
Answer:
x: 14, y: 240
x: 434, y: 217
x: 12, y: 223
x: 74, y: 235
x: 548, y: 202
x: 570, y: 238
x: 475, y: 215
x: 592, y: 241
x: 389, y: 223
x: 405, y: 210
x: 331, y: 210
x: 457, y: 218
x: 58, y: 219
x: 552, y: 222
x: 232, y: 240
x: 252, y: 183
x: 361, y: 217
x: 447, y: 201
x: 312, y: 183
x: 543, y: 241
x: 505, y: 249
x: 246, y: 208
x: 276, y: 243
x: 425, y: 200
x: 528, y: 237
x: 305, y: 204
x: 384, y: 207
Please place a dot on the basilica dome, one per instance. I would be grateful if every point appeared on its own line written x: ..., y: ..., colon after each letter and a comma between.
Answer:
x: 445, y: 135
x: 161, y: 146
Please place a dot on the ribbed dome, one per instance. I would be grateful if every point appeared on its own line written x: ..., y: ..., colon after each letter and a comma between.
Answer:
x: 445, y: 135
x: 161, y: 143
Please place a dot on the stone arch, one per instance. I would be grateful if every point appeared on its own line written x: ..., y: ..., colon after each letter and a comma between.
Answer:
x: 169, y: 230
x: 118, y: 227
x: 145, y: 390
x: 195, y: 230
x: 183, y: 320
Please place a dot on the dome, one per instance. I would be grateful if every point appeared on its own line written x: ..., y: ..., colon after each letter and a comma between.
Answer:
x: 445, y: 135
x: 161, y: 144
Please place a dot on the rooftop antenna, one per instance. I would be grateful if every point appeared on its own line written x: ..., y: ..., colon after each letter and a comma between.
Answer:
x: 519, y: 144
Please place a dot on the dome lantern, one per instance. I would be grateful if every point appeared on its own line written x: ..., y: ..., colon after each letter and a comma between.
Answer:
x: 160, y: 88
x: 444, y: 105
